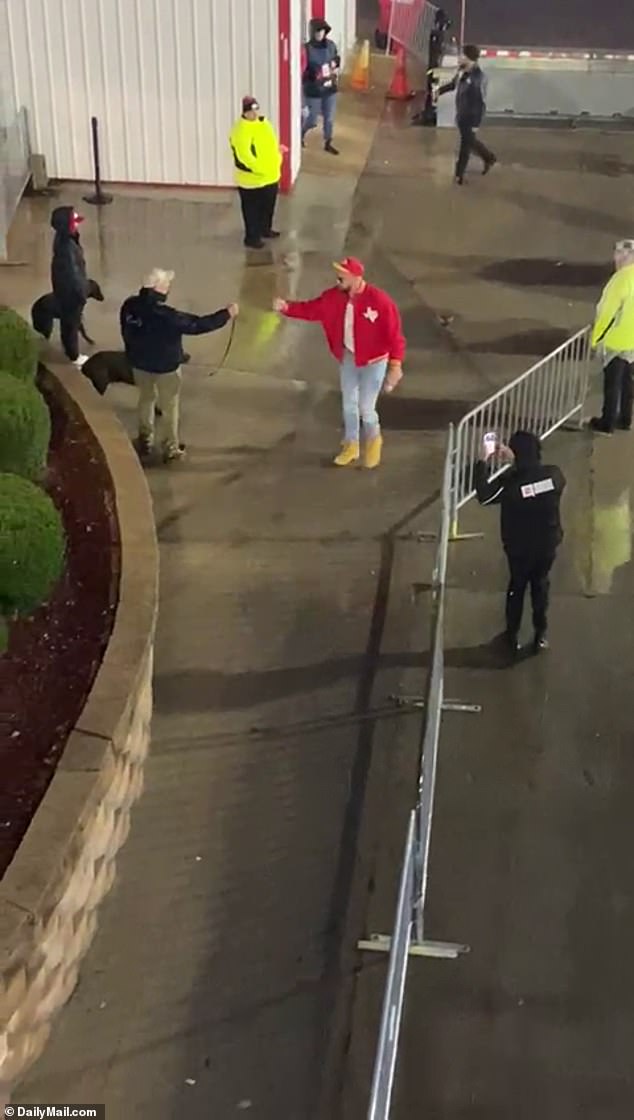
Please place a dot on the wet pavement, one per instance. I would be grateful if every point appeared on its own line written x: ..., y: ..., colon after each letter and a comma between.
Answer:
x: 224, y: 976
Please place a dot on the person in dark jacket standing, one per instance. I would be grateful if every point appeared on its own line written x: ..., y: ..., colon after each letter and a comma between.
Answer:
x: 470, y: 85
x: 319, y: 82
x: 69, y: 278
x: 529, y: 494
x: 152, y: 334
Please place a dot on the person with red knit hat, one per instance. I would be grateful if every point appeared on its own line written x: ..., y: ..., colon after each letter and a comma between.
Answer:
x: 363, y: 330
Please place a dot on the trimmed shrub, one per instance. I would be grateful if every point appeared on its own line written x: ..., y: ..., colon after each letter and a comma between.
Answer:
x: 25, y: 428
x: 32, y: 546
x: 19, y: 346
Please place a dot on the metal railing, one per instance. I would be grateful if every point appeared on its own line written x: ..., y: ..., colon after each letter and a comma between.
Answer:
x: 548, y: 395
x: 411, y: 24
x: 408, y: 938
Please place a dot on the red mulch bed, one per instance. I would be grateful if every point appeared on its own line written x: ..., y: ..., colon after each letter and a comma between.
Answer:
x: 53, y: 657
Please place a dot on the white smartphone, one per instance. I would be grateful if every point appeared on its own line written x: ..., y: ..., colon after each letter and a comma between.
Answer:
x: 490, y: 443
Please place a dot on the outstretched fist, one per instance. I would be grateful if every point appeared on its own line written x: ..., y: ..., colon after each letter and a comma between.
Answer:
x: 280, y: 305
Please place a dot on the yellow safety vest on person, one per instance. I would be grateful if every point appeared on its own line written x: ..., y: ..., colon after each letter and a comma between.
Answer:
x: 614, y: 323
x: 256, y: 153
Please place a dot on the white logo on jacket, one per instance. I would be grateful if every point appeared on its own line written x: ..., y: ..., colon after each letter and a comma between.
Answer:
x: 370, y: 314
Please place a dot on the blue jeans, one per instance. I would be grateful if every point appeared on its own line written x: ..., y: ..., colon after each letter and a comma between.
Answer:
x: 320, y: 106
x: 360, y: 388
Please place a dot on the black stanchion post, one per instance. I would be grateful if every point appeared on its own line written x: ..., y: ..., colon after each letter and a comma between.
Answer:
x: 98, y: 198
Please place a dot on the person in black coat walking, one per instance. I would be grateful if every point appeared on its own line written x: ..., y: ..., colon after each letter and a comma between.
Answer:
x: 152, y: 333
x: 529, y: 494
x: 69, y: 278
x: 470, y: 86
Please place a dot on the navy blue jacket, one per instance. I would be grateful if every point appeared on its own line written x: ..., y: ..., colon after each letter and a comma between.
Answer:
x: 153, y: 332
x: 470, y: 87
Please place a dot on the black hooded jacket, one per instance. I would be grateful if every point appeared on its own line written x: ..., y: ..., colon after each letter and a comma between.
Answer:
x: 529, y: 494
x: 69, y: 279
x: 152, y: 331
x: 319, y: 79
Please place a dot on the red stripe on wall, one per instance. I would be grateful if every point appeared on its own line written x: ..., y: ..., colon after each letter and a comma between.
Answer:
x: 319, y: 9
x: 284, y: 33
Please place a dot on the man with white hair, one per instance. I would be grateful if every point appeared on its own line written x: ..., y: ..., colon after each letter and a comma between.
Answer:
x: 613, y: 331
x: 152, y: 333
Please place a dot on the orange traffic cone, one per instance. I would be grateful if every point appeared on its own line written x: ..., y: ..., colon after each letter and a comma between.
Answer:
x: 399, y: 89
x: 360, y: 79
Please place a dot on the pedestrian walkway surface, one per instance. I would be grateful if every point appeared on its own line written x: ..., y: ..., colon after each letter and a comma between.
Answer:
x: 224, y: 977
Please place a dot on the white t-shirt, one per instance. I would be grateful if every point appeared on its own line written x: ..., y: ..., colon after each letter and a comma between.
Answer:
x: 348, y: 327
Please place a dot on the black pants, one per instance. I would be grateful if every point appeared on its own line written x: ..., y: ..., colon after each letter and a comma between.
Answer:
x: 617, y: 394
x: 69, y: 320
x: 469, y: 143
x: 533, y: 569
x: 258, y: 208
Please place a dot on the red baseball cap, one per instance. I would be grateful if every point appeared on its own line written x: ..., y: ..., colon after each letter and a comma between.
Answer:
x: 350, y: 265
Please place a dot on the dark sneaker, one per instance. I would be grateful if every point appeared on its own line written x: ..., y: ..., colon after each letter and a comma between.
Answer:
x: 459, y: 180
x: 541, y: 643
x: 512, y: 643
x: 624, y: 426
x: 272, y: 235
x: 490, y: 163
x: 597, y: 425
x: 330, y: 147
x: 259, y: 244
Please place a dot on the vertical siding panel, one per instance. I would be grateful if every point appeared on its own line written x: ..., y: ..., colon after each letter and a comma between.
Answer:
x: 197, y: 103
x: 127, y: 109
x: 84, y: 139
x: 141, y: 78
x: 160, y: 175
x: 51, y: 88
x: 164, y: 77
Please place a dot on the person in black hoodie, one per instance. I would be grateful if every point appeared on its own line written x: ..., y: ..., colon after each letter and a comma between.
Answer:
x: 69, y: 278
x: 319, y: 82
x: 470, y: 85
x: 152, y: 333
x: 529, y: 494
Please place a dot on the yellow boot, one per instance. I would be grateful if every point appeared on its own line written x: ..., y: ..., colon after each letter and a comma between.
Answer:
x: 348, y: 455
x: 373, y: 450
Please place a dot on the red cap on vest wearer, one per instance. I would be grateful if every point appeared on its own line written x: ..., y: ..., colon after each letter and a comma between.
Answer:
x: 350, y: 265
x: 249, y: 103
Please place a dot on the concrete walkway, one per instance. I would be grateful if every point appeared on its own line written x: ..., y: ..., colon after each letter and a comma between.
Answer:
x: 223, y: 975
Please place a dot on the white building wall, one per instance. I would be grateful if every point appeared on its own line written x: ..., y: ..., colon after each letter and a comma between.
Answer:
x: 342, y: 17
x: 164, y: 77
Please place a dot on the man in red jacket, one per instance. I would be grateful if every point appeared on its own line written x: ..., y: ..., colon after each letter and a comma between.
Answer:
x: 363, y: 329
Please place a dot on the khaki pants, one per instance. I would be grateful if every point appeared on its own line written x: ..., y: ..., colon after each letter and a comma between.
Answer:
x: 163, y: 389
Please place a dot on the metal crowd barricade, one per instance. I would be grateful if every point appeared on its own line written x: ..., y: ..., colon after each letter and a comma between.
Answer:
x: 408, y: 938
x: 411, y: 24
x: 547, y: 396
x: 550, y: 394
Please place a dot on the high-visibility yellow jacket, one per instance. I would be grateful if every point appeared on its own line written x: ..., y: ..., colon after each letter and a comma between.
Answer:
x: 614, y: 322
x: 256, y: 153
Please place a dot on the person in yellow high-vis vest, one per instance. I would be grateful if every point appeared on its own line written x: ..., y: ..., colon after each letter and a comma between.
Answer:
x: 257, y: 155
x: 613, y: 332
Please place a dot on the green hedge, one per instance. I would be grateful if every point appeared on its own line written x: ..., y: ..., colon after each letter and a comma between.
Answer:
x: 25, y: 428
x: 31, y: 547
x: 19, y: 346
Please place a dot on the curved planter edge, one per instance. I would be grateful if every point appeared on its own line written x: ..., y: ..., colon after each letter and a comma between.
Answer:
x: 65, y: 865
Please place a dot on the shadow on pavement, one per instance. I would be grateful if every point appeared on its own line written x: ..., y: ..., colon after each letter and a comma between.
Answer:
x: 547, y: 273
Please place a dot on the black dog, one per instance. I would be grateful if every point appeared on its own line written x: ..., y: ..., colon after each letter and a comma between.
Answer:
x: 111, y: 367
x: 45, y: 311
